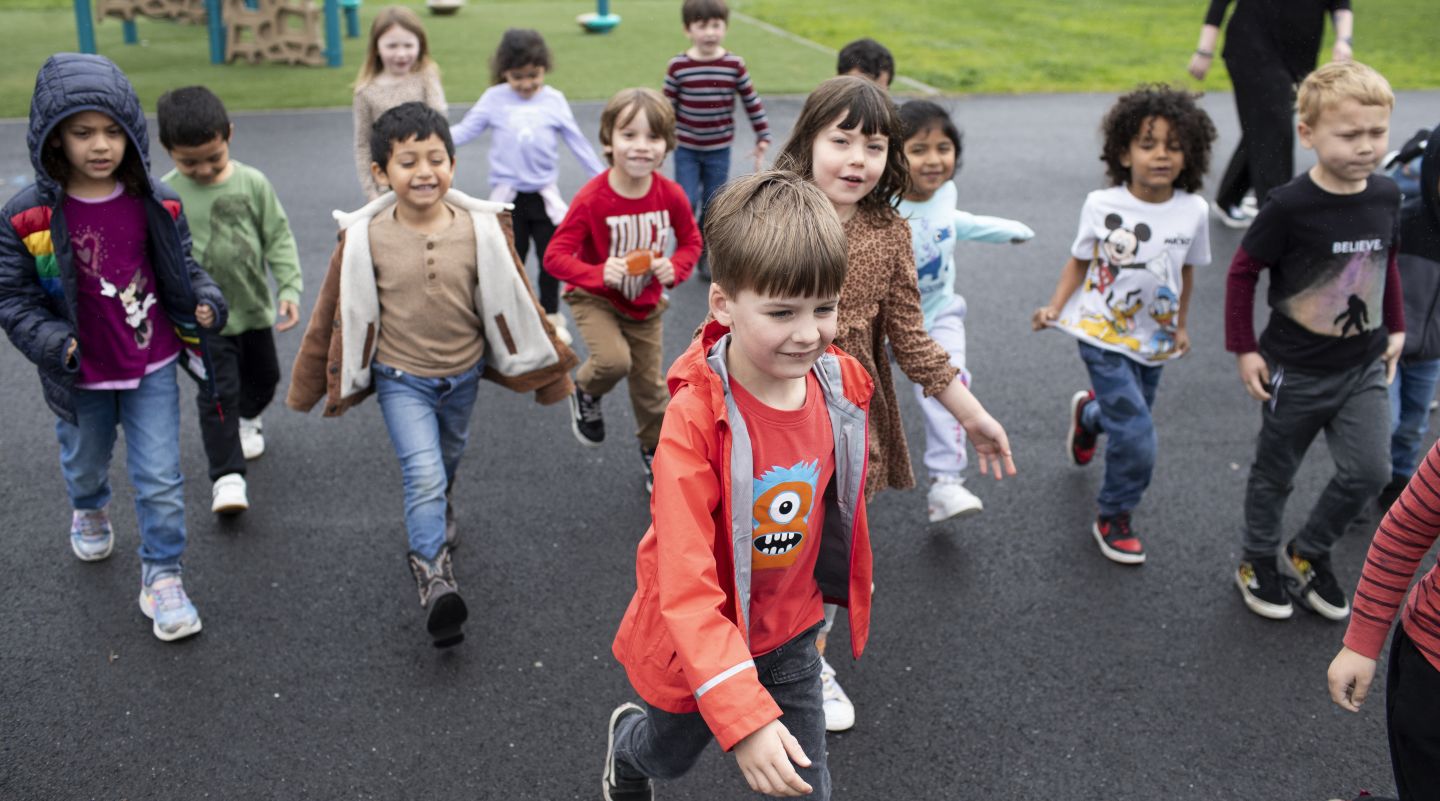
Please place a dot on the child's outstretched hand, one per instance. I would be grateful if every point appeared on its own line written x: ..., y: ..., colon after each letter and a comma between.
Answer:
x: 204, y: 315
x: 614, y: 274
x: 289, y: 316
x: 663, y: 271
x: 1042, y: 317
x: 991, y: 445
x: 1350, y: 675
x: 758, y: 154
x: 764, y: 758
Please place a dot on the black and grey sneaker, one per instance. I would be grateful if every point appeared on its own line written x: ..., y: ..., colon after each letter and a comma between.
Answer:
x: 612, y: 784
x: 1313, y: 584
x: 1261, y: 588
x: 585, y: 418
x: 446, y: 610
x: 647, y: 455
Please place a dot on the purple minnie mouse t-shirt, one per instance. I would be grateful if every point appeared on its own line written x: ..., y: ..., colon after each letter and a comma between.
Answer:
x: 123, y: 333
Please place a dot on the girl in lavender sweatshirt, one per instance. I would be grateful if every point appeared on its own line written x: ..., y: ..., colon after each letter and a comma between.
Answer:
x: 526, y: 116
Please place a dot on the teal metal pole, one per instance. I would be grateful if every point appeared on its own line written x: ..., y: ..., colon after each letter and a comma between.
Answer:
x: 215, y: 23
x: 85, y: 26
x: 332, y: 33
x: 132, y: 36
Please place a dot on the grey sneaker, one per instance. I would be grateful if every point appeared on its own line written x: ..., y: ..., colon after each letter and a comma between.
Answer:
x: 435, y: 580
x: 91, y: 537
x: 587, y: 422
x: 164, y: 601
x: 612, y: 786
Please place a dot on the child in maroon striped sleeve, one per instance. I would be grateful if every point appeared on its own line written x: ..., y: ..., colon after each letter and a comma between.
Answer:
x: 1412, y: 684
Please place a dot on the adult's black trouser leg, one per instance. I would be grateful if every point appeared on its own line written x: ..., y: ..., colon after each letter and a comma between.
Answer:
x: 531, y: 222
x: 259, y: 371
x: 1265, y: 157
x: 1412, y: 720
x: 220, y: 425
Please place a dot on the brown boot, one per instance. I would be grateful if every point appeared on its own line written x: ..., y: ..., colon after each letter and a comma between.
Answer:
x: 446, y: 611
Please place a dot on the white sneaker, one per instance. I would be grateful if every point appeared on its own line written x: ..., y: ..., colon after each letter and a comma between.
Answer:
x: 562, y: 332
x: 948, y: 498
x: 839, y: 712
x: 227, y: 497
x: 252, y: 437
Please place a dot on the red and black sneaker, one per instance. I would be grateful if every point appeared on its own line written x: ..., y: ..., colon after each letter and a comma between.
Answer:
x: 1079, y: 443
x: 1117, y: 541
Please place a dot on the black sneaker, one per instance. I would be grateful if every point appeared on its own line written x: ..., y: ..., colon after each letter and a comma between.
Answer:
x: 446, y: 610
x: 1391, y: 493
x: 585, y: 418
x: 1313, y: 584
x: 614, y: 787
x: 1117, y: 540
x: 1261, y: 588
x: 647, y: 455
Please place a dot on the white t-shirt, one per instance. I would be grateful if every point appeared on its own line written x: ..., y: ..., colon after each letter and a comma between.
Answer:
x: 1130, y: 299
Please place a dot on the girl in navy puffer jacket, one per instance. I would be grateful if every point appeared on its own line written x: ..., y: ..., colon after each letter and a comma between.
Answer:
x: 97, y: 288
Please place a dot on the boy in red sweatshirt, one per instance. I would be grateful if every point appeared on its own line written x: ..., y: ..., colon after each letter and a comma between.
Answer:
x: 610, y: 252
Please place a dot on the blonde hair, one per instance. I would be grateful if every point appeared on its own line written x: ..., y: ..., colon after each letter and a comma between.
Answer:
x: 1338, y: 81
x: 775, y: 233
x: 389, y: 17
x: 659, y: 115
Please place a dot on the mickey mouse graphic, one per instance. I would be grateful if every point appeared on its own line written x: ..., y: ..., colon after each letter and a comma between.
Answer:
x: 1118, y: 250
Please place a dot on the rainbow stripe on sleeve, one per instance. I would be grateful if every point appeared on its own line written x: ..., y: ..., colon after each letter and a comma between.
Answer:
x: 33, y: 227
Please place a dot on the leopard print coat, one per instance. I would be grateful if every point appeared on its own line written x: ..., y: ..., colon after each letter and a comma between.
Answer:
x: 880, y: 300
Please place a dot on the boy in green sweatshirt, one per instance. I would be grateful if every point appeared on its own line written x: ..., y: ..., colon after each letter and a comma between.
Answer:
x: 238, y: 227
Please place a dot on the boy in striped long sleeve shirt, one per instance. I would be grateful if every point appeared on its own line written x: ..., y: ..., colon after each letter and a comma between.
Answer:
x: 701, y: 83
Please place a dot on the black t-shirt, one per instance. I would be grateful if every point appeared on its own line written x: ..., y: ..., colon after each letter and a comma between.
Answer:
x: 1265, y: 30
x: 1328, y: 255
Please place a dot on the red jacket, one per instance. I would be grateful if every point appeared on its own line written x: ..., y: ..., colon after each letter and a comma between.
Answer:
x: 684, y: 640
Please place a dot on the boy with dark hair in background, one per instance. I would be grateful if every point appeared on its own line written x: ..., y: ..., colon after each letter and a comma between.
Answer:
x: 867, y: 58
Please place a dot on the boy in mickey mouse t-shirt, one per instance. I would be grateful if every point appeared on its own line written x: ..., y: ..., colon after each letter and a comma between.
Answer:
x: 1125, y: 291
x: 1328, y: 239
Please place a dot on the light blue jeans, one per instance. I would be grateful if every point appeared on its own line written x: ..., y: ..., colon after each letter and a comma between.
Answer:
x: 150, y: 416
x: 429, y: 423
x: 1125, y: 393
x: 701, y: 173
x: 1410, y: 398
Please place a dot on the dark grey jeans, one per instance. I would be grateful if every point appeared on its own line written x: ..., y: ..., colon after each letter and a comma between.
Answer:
x: 1352, y: 407
x: 663, y: 745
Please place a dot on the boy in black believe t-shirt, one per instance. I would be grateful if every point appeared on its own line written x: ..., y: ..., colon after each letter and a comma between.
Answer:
x: 1329, y: 240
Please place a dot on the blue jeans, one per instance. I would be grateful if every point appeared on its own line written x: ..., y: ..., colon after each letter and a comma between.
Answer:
x: 701, y: 173
x: 1410, y: 397
x: 1125, y: 391
x: 150, y: 415
x: 429, y: 423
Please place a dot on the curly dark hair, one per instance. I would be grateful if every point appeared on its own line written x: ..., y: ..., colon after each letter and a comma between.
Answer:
x: 864, y: 105
x: 1132, y: 115
x: 519, y: 47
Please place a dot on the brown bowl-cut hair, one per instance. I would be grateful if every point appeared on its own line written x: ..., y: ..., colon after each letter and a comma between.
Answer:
x: 775, y: 233
x: 622, y: 108
x: 858, y: 104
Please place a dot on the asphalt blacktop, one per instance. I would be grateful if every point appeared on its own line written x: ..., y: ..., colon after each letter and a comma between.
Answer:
x: 1008, y: 659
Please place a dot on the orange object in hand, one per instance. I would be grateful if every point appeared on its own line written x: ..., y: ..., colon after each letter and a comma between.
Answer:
x: 637, y: 262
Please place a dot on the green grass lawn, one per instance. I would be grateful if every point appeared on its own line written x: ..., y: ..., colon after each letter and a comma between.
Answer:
x: 1077, y: 45
x: 955, y: 45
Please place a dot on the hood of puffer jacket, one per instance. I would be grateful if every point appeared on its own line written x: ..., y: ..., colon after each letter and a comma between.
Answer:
x: 69, y: 83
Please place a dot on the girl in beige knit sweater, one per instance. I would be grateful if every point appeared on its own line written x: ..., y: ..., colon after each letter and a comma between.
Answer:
x: 397, y: 69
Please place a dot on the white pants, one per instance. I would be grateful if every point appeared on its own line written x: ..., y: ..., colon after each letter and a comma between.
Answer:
x: 944, y: 438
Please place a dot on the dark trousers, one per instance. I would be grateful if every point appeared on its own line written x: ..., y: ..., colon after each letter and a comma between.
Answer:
x: 663, y: 745
x: 1352, y: 407
x: 246, y: 374
x: 531, y: 222
x: 1412, y: 719
x: 1265, y: 157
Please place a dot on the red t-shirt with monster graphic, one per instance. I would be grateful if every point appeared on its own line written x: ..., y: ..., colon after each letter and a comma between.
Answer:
x: 123, y: 333
x: 794, y: 460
